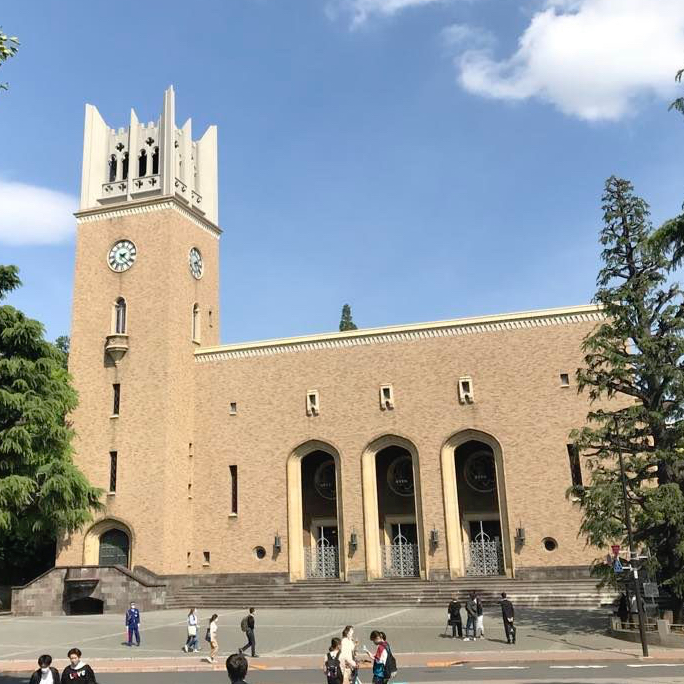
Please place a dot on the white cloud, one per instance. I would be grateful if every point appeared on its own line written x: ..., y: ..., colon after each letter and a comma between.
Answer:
x: 361, y: 10
x: 460, y: 35
x: 593, y: 59
x: 31, y: 215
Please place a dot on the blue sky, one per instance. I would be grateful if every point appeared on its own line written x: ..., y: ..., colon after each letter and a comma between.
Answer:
x: 419, y: 159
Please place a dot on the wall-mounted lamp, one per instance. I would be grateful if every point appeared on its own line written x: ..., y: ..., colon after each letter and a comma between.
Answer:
x: 353, y: 541
x: 520, y: 535
x: 277, y: 543
x: 434, y: 538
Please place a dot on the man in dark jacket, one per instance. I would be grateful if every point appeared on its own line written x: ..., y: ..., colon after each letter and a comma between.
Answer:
x: 508, y: 615
x: 247, y: 626
x: 44, y: 669
x: 77, y: 672
x: 454, y: 618
x: 133, y: 624
x: 471, y: 614
x: 236, y: 665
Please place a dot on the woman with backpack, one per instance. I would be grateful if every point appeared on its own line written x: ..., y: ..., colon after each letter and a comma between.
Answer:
x: 210, y: 636
x: 331, y: 664
x: 191, y: 643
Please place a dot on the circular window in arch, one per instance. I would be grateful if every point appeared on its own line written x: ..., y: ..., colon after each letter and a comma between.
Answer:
x: 260, y: 552
x: 400, y: 476
x: 550, y: 544
x: 324, y: 480
x: 480, y: 472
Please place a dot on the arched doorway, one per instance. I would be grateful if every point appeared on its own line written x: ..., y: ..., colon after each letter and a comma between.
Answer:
x: 392, y: 520
x: 315, y: 538
x: 477, y: 534
x: 114, y: 548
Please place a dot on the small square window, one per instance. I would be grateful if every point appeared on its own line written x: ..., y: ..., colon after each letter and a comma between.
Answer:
x: 207, y: 557
x: 386, y: 397
x: 466, y: 394
x: 312, y: 403
x: 233, y: 408
x: 564, y: 380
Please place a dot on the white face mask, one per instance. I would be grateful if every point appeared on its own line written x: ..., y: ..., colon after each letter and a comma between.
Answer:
x: 45, y: 670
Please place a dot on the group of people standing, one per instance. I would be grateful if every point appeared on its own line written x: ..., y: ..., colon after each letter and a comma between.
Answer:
x: 75, y: 671
x: 341, y: 663
x: 475, y: 618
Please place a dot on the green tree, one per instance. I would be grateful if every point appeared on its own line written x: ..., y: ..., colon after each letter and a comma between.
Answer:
x: 9, y: 45
x: 42, y: 493
x: 635, y: 358
x: 63, y: 343
x: 346, y: 322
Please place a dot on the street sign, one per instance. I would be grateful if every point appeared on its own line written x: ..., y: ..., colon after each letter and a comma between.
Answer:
x: 651, y: 590
x: 615, y: 548
x: 617, y: 566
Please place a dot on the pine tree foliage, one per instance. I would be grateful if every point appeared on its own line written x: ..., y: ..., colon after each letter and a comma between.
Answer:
x: 635, y: 357
x: 63, y: 343
x: 346, y: 322
x: 42, y: 492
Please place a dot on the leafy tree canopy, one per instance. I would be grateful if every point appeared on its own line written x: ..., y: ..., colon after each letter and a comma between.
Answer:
x: 346, y: 322
x: 63, y: 343
x: 636, y: 358
x: 9, y: 45
x: 42, y: 492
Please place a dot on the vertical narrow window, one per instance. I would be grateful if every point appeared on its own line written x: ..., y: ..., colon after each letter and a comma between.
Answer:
x: 189, y: 559
x: 120, y: 316
x: 207, y: 557
x: 124, y: 166
x: 155, y: 160
x: 112, y: 472
x: 575, y: 465
x: 313, y: 404
x: 233, y: 490
x: 233, y: 408
x: 112, y: 168
x: 142, y: 163
x: 466, y: 394
x: 116, y: 399
x: 196, y: 323
x: 386, y: 397
x: 189, y: 490
x: 564, y: 380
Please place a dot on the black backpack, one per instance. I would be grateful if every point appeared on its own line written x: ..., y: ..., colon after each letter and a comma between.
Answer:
x: 244, y: 625
x: 390, y: 663
x: 333, y: 671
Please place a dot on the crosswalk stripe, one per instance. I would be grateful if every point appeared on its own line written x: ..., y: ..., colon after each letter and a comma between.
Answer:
x: 500, y: 667
x: 577, y: 667
x: 657, y: 665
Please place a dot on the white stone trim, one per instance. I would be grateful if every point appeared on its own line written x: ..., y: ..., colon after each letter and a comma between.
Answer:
x: 147, y: 207
x: 404, y: 333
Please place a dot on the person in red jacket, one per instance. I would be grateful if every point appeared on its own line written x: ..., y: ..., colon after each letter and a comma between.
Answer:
x: 77, y: 672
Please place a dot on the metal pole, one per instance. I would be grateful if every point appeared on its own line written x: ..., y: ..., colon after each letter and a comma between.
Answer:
x: 632, y: 552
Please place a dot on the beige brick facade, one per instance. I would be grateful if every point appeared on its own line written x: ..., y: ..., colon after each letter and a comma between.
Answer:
x: 175, y: 426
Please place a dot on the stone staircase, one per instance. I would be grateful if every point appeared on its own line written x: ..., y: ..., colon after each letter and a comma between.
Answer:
x: 575, y: 593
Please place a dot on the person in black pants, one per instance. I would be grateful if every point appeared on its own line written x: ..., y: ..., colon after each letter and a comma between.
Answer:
x: 454, y: 618
x: 248, y: 628
x: 508, y: 615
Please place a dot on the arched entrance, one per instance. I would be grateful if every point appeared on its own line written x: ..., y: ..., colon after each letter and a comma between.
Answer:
x: 314, y: 513
x: 108, y: 542
x: 392, y: 516
x: 478, y: 541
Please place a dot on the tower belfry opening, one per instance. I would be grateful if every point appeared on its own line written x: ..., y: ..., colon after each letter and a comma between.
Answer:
x: 156, y: 151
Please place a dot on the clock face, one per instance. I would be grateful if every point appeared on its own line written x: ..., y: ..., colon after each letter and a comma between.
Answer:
x: 121, y: 256
x: 195, y: 261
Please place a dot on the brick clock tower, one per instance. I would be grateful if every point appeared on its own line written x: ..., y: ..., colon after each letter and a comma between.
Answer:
x: 146, y: 297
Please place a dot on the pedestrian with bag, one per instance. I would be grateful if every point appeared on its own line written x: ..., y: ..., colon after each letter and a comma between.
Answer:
x: 454, y: 618
x: 77, y: 671
x: 45, y: 674
x: 384, y: 664
x: 133, y: 624
x: 192, y: 642
x: 348, y: 662
x: 331, y: 664
x: 211, y: 637
x: 471, y: 615
x: 247, y: 626
x: 508, y: 615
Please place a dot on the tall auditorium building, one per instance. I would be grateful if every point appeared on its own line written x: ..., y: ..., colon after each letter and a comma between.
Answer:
x: 429, y: 450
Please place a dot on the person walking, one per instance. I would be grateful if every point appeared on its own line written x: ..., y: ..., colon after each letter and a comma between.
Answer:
x: 247, y: 626
x: 508, y: 615
x: 77, y: 671
x: 379, y: 658
x: 211, y: 637
x: 331, y: 664
x: 623, y: 610
x: 479, y: 624
x: 133, y: 624
x: 348, y: 662
x: 45, y: 674
x: 192, y: 643
x: 471, y: 615
x: 454, y: 618
x: 237, y: 666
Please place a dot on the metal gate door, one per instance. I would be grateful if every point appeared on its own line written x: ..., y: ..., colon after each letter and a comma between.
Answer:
x: 322, y: 559
x: 485, y: 556
x: 400, y: 558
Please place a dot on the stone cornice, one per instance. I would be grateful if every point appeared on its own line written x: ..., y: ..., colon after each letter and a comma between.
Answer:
x: 404, y: 333
x: 144, y: 207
